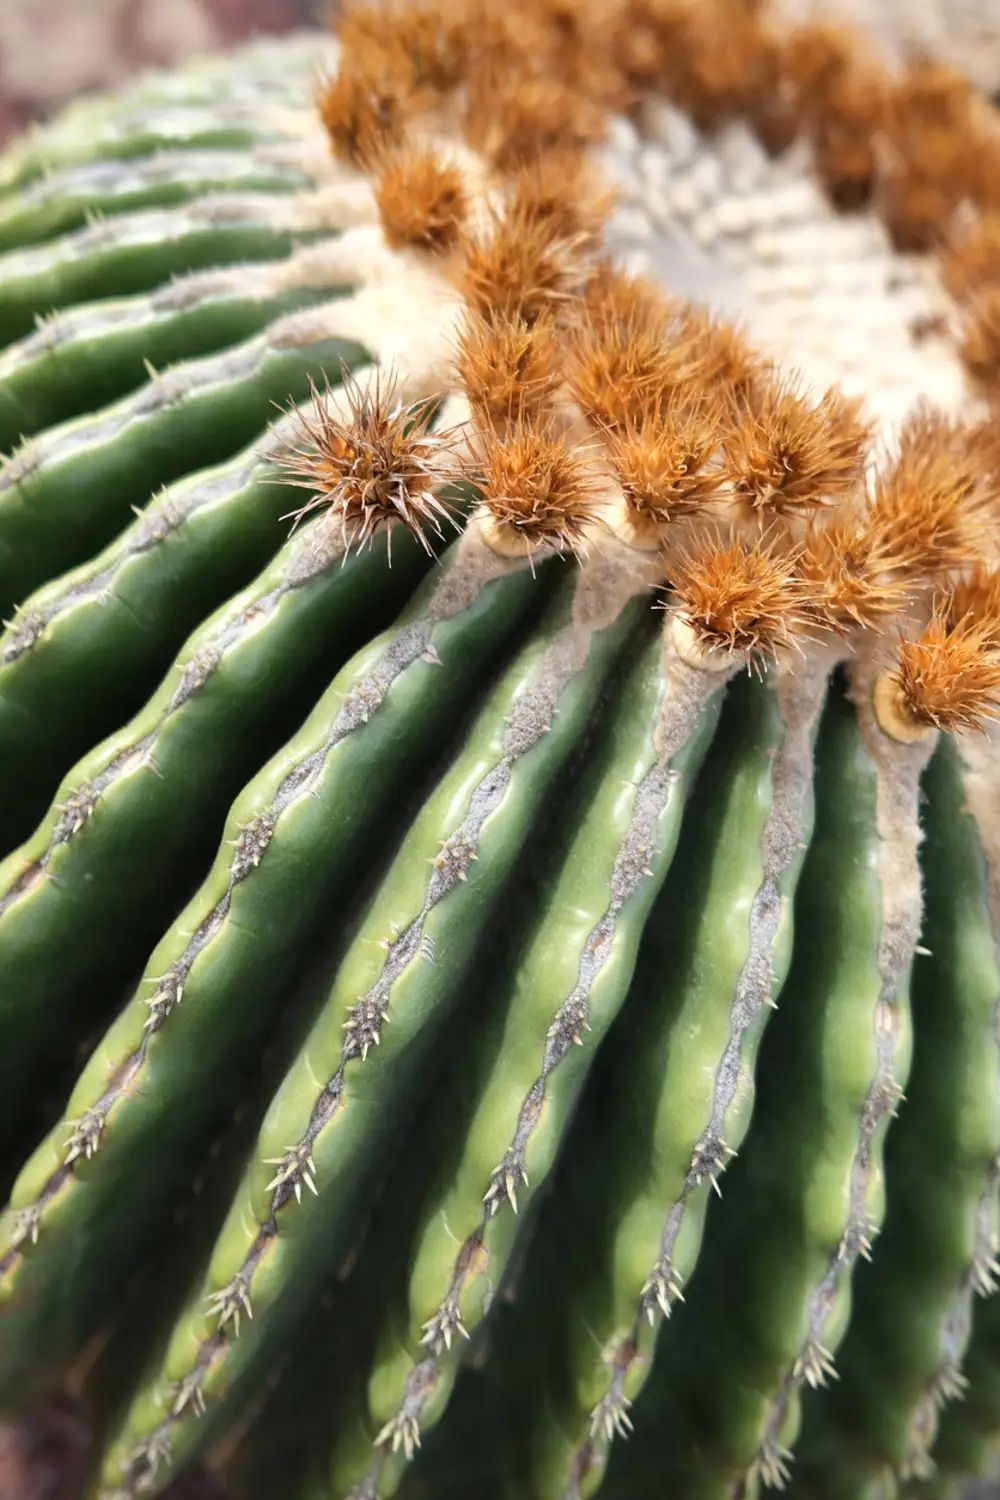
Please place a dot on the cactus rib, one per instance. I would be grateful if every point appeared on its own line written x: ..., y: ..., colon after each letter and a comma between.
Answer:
x: 198, y: 411
x: 83, y: 357
x: 231, y: 672
x: 202, y: 536
x: 898, y: 770
x: 785, y: 834
x: 137, y: 251
x: 569, y: 985
x: 62, y: 201
x: 478, y: 816
x: 913, y: 1303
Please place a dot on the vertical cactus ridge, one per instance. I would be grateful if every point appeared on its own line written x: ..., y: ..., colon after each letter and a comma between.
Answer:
x: 245, y: 668
x: 784, y: 838
x: 566, y: 991
x: 384, y: 713
x: 83, y: 649
x: 405, y: 1107
x: 967, y: 1433
x: 669, y: 1150
x: 406, y: 965
x: 913, y: 1302
x: 206, y: 118
x: 766, y: 1316
x: 897, y: 772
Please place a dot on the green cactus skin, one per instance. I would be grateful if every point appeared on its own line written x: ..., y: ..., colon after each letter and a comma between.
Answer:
x: 228, y: 957
x: 82, y: 358
x: 195, y: 1005
x: 86, y: 650
x: 769, y: 1302
x: 967, y: 1433
x: 140, y: 251
x: 331, y: 1116
x: 64, y: 201
x: 663, y: 1153
x: 913, y: 1303
x: 65, y: 494
x: 127, y: 820
x: 566, y: 990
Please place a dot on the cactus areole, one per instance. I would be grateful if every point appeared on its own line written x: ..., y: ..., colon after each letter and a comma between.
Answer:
x: 499, y: 762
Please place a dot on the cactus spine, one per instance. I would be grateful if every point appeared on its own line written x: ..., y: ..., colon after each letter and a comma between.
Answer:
x: 440, y: 995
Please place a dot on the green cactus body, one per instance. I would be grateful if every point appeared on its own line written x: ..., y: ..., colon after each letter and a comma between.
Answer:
x: 63, y: 201
x: 153, y: 794
x: 913, y: 1303
x: 170, y: 111
x: 316, y: 800
x: 694, y: 1054
x: 437, y: 1055
x: 757, y: 1324
x: 406, y: 966
x: 566, y: 991
x: 65, y: 493
x: 87, y: 356
x: 140, y: 251
x: 84, y: 650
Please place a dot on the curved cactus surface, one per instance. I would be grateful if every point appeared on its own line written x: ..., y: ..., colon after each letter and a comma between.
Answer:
x: 499, y: 776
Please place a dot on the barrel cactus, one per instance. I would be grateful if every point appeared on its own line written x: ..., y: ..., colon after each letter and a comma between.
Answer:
x: 499, y: 969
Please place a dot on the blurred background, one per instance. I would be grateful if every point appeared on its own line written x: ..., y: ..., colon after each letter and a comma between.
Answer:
x: 51, y: 50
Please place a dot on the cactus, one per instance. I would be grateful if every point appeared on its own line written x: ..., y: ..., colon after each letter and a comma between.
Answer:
x: 499, y: 855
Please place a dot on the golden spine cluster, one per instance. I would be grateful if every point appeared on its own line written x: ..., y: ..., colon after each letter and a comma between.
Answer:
x: 603, y: 413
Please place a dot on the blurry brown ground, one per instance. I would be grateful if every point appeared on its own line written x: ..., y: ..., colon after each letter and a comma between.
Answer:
x: 51, y: 51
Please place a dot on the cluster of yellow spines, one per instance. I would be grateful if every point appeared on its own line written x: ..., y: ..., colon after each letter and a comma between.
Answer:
x: 605, y: 414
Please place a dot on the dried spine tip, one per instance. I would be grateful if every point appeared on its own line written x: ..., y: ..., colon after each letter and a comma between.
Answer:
x: 510, y: 118
x: 362, y: 116
x: 561, y: 188
x: 740, y: 598
x: 975, y: 601
x: 425, y: 45
x: 786, y: 454
x: 980, y: 345
x: 613, y: 300
x: 842, y: 121
x: 931, y: 146
x: 948, y: 678
x: 724, y: 362
x: 933, y: 506
x: 970, y: 262
x: 519, y: 268
x: 622, y: 373
x: 537, y: 492
x: 665, y: 468
x: 847, y: 565
x: 718, y: 60
x: 509, y: 370
x: 377, y: 469
x: 422, y: 201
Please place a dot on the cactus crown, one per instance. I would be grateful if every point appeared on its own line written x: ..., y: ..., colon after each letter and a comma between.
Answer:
x: 597, y: 403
